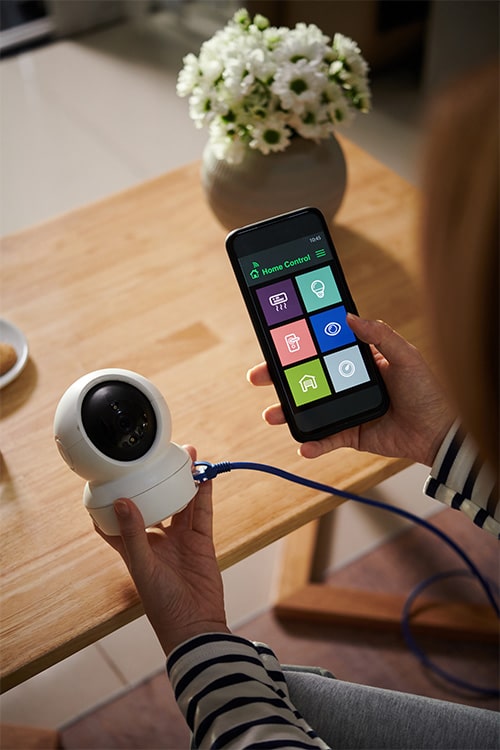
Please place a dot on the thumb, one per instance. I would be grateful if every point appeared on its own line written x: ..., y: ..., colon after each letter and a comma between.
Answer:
x: 132, y: 531
x: 389, y: 343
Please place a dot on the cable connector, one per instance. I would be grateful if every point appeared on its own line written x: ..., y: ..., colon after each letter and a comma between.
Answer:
x: 206, y: 470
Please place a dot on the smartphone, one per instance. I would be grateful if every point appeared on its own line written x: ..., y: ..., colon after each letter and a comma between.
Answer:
x: 297, y: 297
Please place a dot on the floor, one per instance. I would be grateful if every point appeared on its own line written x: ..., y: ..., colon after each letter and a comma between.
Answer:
x: 80, y: 119
x: 147, y: 716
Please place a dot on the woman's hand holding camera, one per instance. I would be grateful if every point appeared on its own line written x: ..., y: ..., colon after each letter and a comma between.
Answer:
x: 174, y: 568
x: 418, y: 417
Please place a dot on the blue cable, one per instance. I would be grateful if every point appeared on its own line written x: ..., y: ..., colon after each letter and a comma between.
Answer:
x: 420, y: 653
x: 207, y: 470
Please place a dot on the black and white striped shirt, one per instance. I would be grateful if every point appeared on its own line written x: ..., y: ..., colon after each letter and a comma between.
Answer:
x: 461, y: 480
x: 233, y: 694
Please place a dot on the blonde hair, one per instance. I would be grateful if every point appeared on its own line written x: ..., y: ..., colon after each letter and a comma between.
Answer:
x: 460, y: 242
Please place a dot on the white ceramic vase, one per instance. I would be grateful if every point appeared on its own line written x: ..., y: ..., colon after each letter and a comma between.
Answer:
x: 305, y: 174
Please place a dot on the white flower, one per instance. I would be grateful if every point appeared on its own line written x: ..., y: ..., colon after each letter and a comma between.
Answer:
x: 226, y: 143
x: 298, y: 84
x: 272, y: 134
x: 257, y: 86
x: 349, y: 51
x: 188, y: 76
x: 335, y: 103
x: 311, y: 125
x: 236, y: 79
x: 204, y: 105
x: 302, y: 42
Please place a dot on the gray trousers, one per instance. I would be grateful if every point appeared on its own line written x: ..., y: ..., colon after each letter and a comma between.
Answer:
x: 356, y: 717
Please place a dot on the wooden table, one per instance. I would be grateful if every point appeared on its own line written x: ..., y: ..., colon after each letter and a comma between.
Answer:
x: 141, y: 281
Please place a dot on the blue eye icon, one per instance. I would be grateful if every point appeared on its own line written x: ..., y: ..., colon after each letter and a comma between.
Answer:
x: 333, y: 328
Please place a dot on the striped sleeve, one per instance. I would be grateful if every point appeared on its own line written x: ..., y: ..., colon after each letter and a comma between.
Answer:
x: 233, y: 694
x: 461, y: 480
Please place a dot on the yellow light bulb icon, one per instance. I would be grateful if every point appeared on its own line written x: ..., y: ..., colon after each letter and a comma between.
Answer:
x: 318, y: 288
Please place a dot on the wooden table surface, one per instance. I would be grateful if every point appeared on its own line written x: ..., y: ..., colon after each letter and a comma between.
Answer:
x: 141, y: 281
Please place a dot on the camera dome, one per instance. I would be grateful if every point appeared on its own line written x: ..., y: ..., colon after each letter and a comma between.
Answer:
x: 113, y: 428
x: 119, y: 420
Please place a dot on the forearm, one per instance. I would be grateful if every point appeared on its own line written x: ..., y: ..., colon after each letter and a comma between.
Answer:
x: 233, y: 692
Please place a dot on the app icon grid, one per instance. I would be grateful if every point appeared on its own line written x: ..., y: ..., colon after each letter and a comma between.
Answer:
x: 319, y: 296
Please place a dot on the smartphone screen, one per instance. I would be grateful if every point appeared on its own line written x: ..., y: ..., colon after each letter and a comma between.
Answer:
x: 297, y: 297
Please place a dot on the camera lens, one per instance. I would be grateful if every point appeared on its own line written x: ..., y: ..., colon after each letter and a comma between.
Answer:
x: 119, y: 420
x: 124, y: 422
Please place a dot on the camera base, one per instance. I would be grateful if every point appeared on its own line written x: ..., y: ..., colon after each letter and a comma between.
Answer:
x: 161, y: 489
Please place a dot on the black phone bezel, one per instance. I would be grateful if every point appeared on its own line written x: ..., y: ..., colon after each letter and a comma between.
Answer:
x: 276, y: 231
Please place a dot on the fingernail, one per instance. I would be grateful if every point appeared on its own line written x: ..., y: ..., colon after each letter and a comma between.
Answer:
x: 121, y: 509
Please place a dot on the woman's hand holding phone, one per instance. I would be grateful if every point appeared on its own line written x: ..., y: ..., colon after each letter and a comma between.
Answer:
x: 418, y: 417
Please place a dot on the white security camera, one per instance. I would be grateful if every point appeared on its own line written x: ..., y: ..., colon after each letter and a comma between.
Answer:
x: 113, y: 428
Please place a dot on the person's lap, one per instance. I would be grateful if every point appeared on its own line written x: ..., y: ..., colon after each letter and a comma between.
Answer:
x: 349, y: 716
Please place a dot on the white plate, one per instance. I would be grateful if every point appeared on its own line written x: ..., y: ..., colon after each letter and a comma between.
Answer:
x: 10, y: 334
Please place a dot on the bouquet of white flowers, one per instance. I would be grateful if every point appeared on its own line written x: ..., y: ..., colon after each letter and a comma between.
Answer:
x: 257, y: 86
